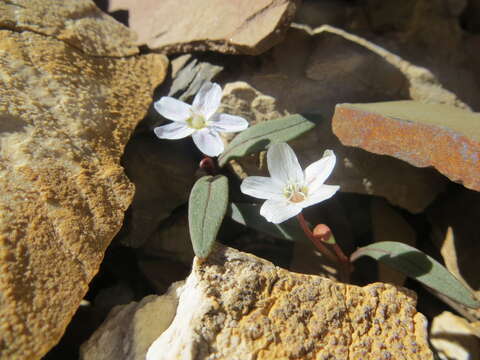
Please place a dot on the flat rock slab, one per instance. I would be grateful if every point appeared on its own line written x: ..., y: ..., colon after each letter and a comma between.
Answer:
x: 240, y: 27
x: 441, y: 136
x: 238, y: 306
x: 65, y: 118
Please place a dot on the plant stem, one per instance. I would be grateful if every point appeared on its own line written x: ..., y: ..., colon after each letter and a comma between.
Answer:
x: 317, y: 242
x: 321, y: 236
x: 323, y: 233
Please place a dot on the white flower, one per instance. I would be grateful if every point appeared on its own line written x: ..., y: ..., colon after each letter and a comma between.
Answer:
x: 200, y: 119
x: 289, y: 189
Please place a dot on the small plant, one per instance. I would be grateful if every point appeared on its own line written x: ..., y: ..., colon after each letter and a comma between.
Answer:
x: 287, y: 191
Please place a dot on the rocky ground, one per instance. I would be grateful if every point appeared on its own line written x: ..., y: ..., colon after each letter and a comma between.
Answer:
x: 95, y: 253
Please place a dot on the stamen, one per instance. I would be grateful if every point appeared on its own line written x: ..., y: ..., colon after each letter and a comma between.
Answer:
x: 196, y: 122
x: 295, y: 192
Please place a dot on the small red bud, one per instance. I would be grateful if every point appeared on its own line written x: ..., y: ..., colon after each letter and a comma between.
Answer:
x: 322, y: 232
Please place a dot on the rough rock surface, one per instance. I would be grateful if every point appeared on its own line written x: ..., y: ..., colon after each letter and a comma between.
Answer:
x: 65, y: 120
x: 237, y: 306
x: 129, y: 329
x: 79, y: 23
x: 441, y: 136
x: 242, y: 27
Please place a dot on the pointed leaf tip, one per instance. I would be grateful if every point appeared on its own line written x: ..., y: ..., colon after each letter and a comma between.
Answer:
x: 420, y: 267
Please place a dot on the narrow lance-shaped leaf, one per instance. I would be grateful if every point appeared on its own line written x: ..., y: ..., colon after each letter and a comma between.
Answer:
x: 421, y: 267
x: 248, y: 215
x: 258, y: 137
x: 207, y: 206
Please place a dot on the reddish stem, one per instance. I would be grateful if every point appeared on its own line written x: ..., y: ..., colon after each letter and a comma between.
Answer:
x: 319, y: 237
x: 323, y: 233
x: 317, y: 242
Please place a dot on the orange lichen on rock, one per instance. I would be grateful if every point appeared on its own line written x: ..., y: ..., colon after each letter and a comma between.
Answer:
x: 65, y: 120
x: 237, y: 306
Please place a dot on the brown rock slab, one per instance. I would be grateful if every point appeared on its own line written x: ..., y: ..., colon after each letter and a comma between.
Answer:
x: 79, y: 23
x: 238, y: 306
x: 441, y: 136
x: 239, y: 27
x: 65, y: 120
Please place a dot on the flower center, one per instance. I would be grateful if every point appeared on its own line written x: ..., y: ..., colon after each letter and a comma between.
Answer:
x: 196, y: 122
x: 295, y: 192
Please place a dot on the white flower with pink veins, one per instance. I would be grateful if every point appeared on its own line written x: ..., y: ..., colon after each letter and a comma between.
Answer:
x: 200, y: 120
x: 290, y: 189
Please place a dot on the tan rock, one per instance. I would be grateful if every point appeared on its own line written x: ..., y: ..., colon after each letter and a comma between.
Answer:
x: 453, y: 337
x: 246, y: 27
x: 80, y: 23
x: 65, y: 120
x: 129, y: 329
x: 389, y: 225
x: 237, y: 306
x: 454, y: 219
x: 242, y: 99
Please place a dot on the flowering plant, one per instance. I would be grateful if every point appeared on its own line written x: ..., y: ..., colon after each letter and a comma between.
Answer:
x: 289, y: 189
x: 201, y: 120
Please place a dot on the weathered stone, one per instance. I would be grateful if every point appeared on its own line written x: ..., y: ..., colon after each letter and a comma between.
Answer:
x: 424, y: 135
x: 356, y: 171
x: 162, y: 182
x: 453, y: 337
x: 129, y: 329
x: 79, y: 23
x: 189, y: 74
x: 454, y: 219
x: 237, y: 306
x: 389, y: 225
x: 65, y: 120
x: 247, y: 27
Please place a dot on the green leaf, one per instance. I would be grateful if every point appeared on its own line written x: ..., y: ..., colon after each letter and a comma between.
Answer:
x: 421, y: 267
x: 260, y: 136
x: 249, y: 215
x: 207, y: 206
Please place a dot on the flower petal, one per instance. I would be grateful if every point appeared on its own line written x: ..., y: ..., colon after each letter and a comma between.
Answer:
x: 324, y: 192
x: 207, y: 100
x: 317, y: 172
x: 228, y: 123
x: 173, y: 109
x: 283, y: 164
x: 174, y: 130
x: 208, y: 142
x: 261, y: 187
x: 278, y: 211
